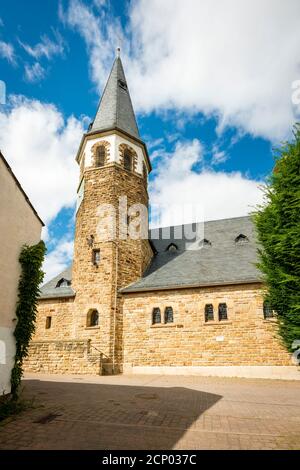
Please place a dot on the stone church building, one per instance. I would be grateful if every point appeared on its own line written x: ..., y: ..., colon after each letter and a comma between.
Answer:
x: 152, y: 304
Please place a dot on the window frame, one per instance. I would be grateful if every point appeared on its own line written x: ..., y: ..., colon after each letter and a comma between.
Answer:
x: 96, y: 252
x: 268, y: 312
x: 48, y: 322
x: 97, y: 156
x: 221, y: 305
x: 90, y: 315
x: 166, y: 318
x: 206, y: 313
x: 127, y: 153
x: 156, y: 310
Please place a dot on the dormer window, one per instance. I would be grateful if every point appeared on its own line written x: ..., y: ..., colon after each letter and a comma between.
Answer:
x: 241, y: 239
x: 172, y: 248
x: 63, y: 283
x: 122, y: 84
x: 205, y: 242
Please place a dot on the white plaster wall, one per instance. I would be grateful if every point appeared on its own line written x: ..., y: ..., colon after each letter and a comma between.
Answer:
x: 7, y: 354
x: 115, y: 141
x: 18, y: 226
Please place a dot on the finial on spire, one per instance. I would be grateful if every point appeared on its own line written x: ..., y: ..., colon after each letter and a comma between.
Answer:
x: 118, y: 51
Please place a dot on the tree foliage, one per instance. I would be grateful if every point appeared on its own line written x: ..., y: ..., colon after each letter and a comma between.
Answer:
x: 31, y: 259
x: 278, y: 227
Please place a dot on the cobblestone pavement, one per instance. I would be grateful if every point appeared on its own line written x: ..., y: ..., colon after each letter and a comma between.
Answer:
x: 155, y: 412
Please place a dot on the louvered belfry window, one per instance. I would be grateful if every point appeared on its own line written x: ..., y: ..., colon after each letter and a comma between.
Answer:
x: 127, y: 160
x: 100, y: 156
x: 209, y: 312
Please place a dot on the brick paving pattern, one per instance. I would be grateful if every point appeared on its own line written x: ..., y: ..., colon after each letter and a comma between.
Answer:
x: 155, y: 412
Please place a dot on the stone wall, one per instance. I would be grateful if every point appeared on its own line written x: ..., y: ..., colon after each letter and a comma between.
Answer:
x: 56, y: 357
x: 244, y: 339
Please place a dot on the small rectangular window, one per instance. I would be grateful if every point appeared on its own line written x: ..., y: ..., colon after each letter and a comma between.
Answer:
x: 222, y: 312
x: 209, y: 312
x: 48, y: 322
x: 96, y: 257
x: 268, y: 311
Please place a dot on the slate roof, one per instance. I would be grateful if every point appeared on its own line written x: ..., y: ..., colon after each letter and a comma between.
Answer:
x: 50, y: 291
x: 220, y: 261
x: 115, y: 108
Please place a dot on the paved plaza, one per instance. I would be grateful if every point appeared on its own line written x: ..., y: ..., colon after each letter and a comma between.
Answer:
x: 155, y: 412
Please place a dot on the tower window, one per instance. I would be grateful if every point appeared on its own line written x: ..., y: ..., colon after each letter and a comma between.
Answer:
x: 209, y: 312
x: 48, y: 322
x: 100, y: 156
x: 169, y: 317
x: 156, y: 316
x: 127, y: 160
x: 93, y: 318
x: 222, y: 312
x: 96, y: 257
x: 268, y: 311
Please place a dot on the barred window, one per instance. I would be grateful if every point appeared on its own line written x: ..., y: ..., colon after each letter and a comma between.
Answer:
x: 127, y: 160
x: 268, y: 311
x: 169, y: 317
x: 222, y: 312
x: 209, y: 312
x: 100, y: 156
x: 156, y: 316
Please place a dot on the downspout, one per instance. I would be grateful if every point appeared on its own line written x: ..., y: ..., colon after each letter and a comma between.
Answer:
x: 115, y: 306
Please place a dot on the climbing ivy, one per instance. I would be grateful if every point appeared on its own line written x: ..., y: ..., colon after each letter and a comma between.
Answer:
x: 31, y: 260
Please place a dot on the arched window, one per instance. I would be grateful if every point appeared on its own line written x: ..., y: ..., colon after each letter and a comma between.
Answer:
x: 169, y: 317
x: 209, y: 312
x: 156, y: 316
x: 127, y: 160
x: 93, y: 318
x: 100, y: 156
x: 268, y: 311
x: 172, y: 248
x: 241, y: 239
x: 222, y: 310
x: 63, y: 282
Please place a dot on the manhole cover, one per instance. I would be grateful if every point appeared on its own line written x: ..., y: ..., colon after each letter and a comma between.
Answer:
x: 147, y: 396
x: 47, y: 418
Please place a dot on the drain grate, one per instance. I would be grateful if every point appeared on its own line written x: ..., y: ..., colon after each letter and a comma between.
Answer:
x: 47, y: 418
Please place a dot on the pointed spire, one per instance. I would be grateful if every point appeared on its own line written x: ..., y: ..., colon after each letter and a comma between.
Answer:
x: 115, y: 107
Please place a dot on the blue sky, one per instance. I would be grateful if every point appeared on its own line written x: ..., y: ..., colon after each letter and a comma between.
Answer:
x: 210, y: 83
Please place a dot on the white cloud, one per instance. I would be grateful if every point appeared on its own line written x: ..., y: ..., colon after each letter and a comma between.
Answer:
x: 7, y: 52
x: 233, y: 59
x: 177, y: 189
x: 218, y: 156
x: 41, y: 148
x: 34, y: 73
x: 46, y: 47
x: 58, y: 259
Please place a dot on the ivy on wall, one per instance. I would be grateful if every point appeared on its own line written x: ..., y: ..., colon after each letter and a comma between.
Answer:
x: 31, y: 260
x: 278, y: 228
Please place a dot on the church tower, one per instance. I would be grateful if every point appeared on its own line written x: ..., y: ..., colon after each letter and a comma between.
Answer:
x: 114, y: 167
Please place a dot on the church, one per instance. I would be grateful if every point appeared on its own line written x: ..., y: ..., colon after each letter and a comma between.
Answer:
x: 150, y: 304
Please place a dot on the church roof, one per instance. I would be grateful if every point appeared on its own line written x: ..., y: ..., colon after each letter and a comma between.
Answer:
x: 225, y: 253
x: 55, y: 288
x: 115, y: 108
